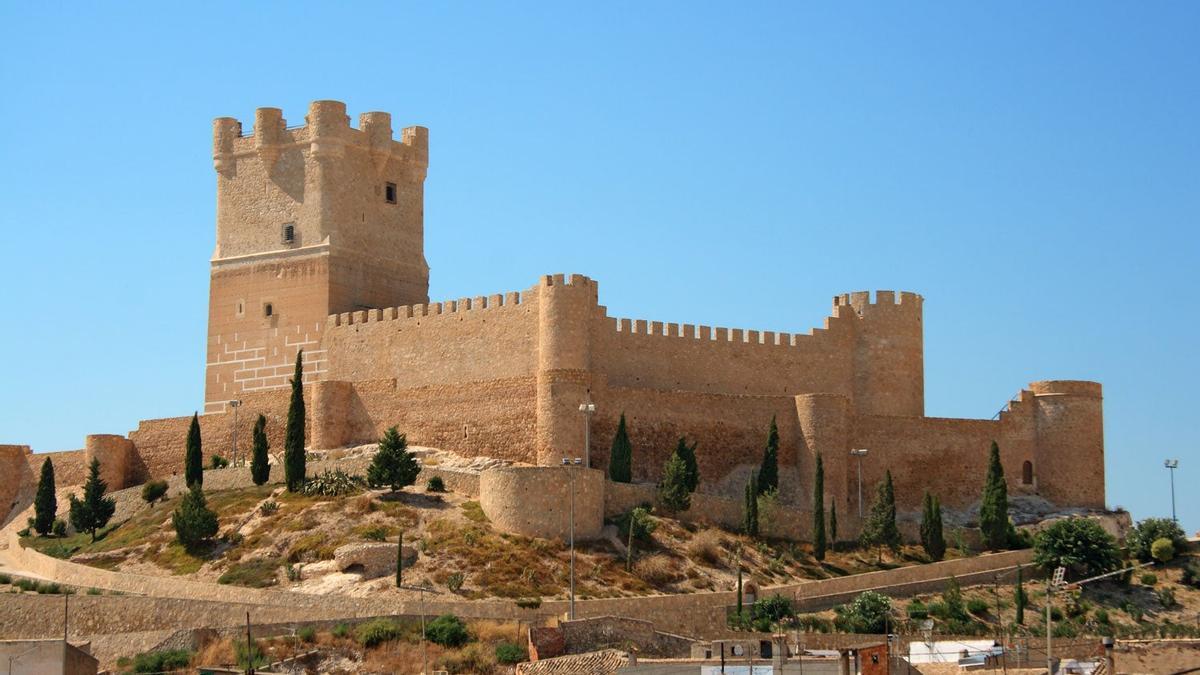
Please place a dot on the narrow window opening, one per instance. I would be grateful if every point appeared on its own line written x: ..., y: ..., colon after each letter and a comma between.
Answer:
x: 389, y: 193
x: 268, y: 310
x: 240, y: 309
x: 1027, y: 473
x: 289, y: 234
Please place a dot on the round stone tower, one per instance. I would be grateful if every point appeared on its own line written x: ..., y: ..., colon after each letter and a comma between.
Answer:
x: 1068, y: 459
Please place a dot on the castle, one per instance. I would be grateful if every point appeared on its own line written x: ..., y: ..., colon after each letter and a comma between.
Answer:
x: 319, y: 248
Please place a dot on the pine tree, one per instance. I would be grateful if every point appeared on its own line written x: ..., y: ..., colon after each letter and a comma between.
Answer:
x: 620, y: 463
x: 193, y: 459
x: 833, y: 533
x: 750, y: 507
x: 94, y: 510
x: 931, y: 528
x: 45, y: 504
x: 688, y: 454
x: 818, y: 535
x: 1020, y: 599
x: 194, y: 522
x: 768, y: 474
x: 260, y: 468
x: 393, y: 465
x: 880, y: 528
x: 293, y: 444
x: 673, y: 491
x: 993, y: 509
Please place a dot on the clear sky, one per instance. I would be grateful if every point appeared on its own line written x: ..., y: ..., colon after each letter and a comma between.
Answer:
x: 1033, y: 171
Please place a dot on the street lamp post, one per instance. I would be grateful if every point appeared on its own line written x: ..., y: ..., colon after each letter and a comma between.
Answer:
x: 568, y: 463
x: 424, y: 643
x: 1171, y: 465
x: 588, y: 409
x: 235, y: 404
x: 859, y: 453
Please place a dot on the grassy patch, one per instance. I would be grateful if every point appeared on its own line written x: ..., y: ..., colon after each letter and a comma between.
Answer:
x: 315, y: 546
x: 176, y: 559
x: 474, y: 512
x: 254, y: 573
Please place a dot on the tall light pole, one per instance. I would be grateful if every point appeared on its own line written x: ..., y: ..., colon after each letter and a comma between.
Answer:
x: 859, y: 453
x: 588, y: 409
x: 424, y: 643
x: 568, y: 463
x: 1171, y: 465
x: 235, y: 404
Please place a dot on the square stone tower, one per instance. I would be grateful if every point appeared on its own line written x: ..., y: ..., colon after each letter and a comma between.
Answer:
x: 312, y: 220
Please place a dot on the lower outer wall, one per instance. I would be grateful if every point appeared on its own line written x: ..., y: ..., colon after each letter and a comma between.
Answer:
x: 535, y: 501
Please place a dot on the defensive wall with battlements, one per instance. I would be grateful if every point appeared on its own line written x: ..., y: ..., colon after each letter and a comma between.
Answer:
x: 320, y: 248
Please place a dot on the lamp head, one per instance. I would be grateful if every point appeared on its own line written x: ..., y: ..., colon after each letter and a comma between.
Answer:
x: 1171, y: 463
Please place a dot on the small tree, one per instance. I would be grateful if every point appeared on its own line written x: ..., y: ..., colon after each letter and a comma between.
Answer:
x: 393, y: 466
x: 673, y: 492
x: 45, y: 504
x: 193, y: 459
x: 293, y: 443
x: 620, y: 462
x: 993, y: 509
x: 1020, y: 598
x: 400, y: 560
x: 1162, y: 550
x: 932, y: 539
x: 260, y: 468
x: 194, y: 522
x: 833, y: 533
x: 880, y: 528
x: 94, y: 510
x: 750, y: 507
x: 738, y: 563
x: 1143, y: 535
x: 867, y: 613
x: 1079, y: 544
x: 952, y: 597
x: 819, y: 541
x: 768, y: 474
x: 688, y: 454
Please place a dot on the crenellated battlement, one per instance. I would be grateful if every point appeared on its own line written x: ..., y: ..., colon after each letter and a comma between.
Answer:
x: 445, y: 307
x: 884, y: 301
x: 326, y: 128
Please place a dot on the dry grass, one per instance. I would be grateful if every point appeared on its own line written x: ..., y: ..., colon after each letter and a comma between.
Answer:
x: 708, y: 547
x: 361, y: 505
x: 495, y: 631
x: 658, y: 569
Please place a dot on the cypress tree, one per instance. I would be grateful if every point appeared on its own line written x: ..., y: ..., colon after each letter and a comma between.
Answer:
x: 931, y: 528
x: 260, y: 468
x: 688, y: 454
x: 768, y: 474
x: 1019, y: 597
x: 620, y: 463
x: 833, y: 540
x: 880, y: 528
x: 750, y: 508
x: 818, y: 535
x: 94, y: 510
x: 193, y: 459
x: 45, y: 504
x: 393, y: 465
x: 993, y: 509
x: 293, y: 444
x: 739, y: 590
x: 400, y: 560
x: 673, y: 491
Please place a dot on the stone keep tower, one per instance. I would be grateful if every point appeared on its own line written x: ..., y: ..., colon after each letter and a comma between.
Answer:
x: 312, y: 220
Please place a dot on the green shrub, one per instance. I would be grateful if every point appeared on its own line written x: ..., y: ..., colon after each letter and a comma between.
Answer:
x: 194, y: 522
x: 917, y: 610
x: 455, y: 582
x: 59, y: 528
x: 1191, y: 575
x: 1079, y: 544
x: 1148, y: 578
x: 1056, y: 614
x: 269, y: 507
x: 49, y: 588
x: 376, y: 632
x: 1166, y: 596
x: 1102, y: 616
x: 23, y: 532
x: 333, y: 483
x: 159, y: 662
x: 939, y: 610
x: 218, y: 462
x: 308, y: 634
x: 25, y: 584
x: 251, y: 656
x: 529, y: 603
x: 341, y: 630
x: 448, y: 631
x: 815, y: 623
x: 375, y: 533
x: 1142, y: 536
x: 436, y: 484
x: 867, y: 613
x: 5, y: 579
x: 509, y: 653
x: 1162, y: 550
x: 94, y: 591
x: 977, y: 606
x: 154, y: 490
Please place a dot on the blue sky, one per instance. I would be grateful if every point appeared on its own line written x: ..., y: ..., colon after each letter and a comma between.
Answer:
x: 1033, y: 171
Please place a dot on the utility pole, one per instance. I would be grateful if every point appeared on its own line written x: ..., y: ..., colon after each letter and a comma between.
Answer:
x: 66, y: 615
x: 249, y: 647
x: 1171, y: 465
x: 859, y: 453
x: 568, y: 463
x: 235, y: 404
x: 1058, y: 584
x: 424, y: 643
